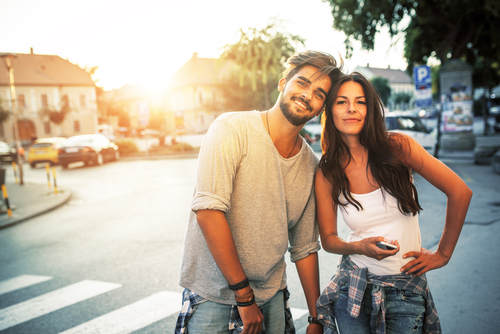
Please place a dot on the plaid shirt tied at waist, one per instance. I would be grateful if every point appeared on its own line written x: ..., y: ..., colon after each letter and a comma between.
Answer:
x: 191, y: 300
x: 349, y: 273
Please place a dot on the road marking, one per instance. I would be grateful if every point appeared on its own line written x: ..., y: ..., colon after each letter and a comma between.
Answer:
x: 22, y: 281
x: 52, y: 301
x: 298, y: 313
x: 134, y: 316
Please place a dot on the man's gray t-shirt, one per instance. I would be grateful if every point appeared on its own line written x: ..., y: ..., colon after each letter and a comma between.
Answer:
x: 268, y: 201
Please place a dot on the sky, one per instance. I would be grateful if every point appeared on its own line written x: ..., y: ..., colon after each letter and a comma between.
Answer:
x: 147, y: 41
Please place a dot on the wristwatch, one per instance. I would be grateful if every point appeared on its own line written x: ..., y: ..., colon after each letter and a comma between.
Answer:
x: 313, y: 320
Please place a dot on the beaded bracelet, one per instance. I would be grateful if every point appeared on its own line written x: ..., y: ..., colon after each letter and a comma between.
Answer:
x: 240, y: 285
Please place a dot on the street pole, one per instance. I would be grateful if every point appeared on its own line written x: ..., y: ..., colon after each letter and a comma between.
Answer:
x: 8, y: 57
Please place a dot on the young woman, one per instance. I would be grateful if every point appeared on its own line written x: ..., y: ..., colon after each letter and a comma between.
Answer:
x: 367, y: 172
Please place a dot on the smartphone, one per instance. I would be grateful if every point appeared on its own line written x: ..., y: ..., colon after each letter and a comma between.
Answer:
x: 386, y: 246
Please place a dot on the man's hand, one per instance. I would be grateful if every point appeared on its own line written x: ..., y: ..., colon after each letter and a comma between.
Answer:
x: 314, y: 329
x: 423, y: 262
x: 252, y: 319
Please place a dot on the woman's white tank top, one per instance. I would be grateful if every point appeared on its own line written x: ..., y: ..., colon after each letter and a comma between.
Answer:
x: 380, y: 216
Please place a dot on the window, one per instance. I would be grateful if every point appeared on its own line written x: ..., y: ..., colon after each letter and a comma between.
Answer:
x: 21, y: 102
x: 45, y: 102
x: 76, y: 126
x: 82, y: 101
x: 65, y: 101
x: 46, y: 127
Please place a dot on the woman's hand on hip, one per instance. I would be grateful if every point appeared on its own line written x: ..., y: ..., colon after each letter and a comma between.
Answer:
x: 424, y: 261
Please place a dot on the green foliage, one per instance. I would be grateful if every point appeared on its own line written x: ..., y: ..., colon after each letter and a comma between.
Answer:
x: 4, y: 114
x: 402, y: 97
x: 260, y: 55
x: 382, y: 87
x: 55, y: 116
x: 126, y: 146
x: 443, y: 29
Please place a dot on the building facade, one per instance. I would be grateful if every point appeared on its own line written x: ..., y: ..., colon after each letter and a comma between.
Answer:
x: 46, y: 82
x: 399, y: 81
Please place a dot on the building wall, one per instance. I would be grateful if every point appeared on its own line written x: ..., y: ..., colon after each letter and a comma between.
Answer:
x: 31, y: 99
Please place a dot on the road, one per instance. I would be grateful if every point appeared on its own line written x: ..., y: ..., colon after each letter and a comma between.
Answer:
x: 109, y: 260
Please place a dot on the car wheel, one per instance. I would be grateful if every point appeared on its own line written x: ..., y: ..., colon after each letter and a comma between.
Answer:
x: 99, y: 159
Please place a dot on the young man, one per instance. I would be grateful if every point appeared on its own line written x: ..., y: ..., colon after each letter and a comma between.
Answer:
x: 254, y: 195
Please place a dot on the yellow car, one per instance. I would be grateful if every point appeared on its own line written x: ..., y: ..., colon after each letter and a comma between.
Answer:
x: 45, y: 150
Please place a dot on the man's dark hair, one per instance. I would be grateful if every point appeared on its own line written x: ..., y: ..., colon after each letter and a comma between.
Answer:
x: 326, y: 64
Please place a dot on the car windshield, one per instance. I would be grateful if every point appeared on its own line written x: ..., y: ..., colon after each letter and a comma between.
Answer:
x: 37, y: 145
x: 407, y: 123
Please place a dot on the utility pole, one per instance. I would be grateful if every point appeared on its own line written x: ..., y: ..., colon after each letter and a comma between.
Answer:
x: 8, y: 57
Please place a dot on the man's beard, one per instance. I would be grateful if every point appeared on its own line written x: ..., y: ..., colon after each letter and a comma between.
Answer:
x: 294, y: 119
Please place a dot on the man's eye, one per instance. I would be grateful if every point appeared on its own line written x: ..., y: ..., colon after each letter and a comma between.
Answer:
x: 320, y: 96
x: 301, y: 83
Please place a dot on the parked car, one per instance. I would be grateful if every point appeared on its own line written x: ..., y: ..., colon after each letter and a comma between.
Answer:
x: 411, y: 125
x: 45, y: 150
x: 7, y: 153
x: 94, y: 149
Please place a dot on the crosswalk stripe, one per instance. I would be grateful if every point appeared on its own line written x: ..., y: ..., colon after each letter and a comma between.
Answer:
x: 52, y: 301
x: 22, y: 281
x: 134, y: 316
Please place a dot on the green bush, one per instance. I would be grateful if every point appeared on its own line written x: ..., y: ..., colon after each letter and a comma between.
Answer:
x: 126, y: 146
x: 178, y: 147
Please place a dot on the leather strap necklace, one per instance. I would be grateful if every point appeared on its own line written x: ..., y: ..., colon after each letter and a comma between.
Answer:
x: 269, y: 132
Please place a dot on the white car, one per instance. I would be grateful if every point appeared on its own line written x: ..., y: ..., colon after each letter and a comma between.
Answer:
x: 411, y: 125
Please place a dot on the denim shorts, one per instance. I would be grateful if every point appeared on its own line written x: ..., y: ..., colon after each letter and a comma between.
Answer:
x: 404, y: 312
x: 213, y: 318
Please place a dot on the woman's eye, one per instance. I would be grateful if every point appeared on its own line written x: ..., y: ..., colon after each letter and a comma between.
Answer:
x: 362, y: 102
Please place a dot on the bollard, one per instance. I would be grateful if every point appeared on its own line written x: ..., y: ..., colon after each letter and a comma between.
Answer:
x: 47, y: 168
x: 6, y: 198
x: 14, y: 168
x: 54, y: 175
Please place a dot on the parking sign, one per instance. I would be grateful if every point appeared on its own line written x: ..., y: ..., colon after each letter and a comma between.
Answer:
x: 423, y: 86
x: 422, y: 74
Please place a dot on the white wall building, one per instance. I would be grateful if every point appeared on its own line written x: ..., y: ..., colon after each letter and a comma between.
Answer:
x: 47, y: 82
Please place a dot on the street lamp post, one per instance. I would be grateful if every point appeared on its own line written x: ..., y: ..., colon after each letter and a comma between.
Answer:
x: 8, y: 57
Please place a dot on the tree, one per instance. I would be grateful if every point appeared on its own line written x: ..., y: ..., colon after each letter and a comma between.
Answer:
x: 56, y: 116
x: 260, y: 55
x: 443, y: 29
x: 402, y: 99
x: 382, y: 87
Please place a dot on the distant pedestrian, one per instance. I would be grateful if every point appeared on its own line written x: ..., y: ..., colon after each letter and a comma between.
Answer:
x: 254, y: 200
x: 367, y: 172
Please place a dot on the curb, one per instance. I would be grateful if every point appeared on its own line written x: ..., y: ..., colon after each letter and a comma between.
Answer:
x: 7, y: 222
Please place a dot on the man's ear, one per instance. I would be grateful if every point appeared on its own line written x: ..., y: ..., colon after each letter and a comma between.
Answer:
x: 281, y: 84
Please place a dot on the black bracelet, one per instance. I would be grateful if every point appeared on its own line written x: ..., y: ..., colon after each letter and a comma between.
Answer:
x: 240, y: 285
x: 244, y: 304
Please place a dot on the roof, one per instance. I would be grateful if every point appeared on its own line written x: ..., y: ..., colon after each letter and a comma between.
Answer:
x: 199, y: 71
x: 43, y: 70
x: 394, y: 76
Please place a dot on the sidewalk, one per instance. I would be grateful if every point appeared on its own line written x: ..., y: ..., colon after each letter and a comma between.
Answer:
x: 30, y: 200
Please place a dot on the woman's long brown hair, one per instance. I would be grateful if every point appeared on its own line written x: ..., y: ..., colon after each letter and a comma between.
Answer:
x: 385, y: 152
